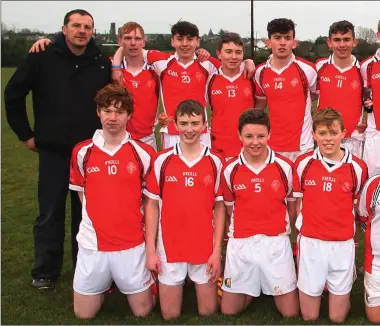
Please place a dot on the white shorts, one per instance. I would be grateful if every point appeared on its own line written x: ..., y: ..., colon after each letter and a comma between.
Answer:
x: 371, y: 154
x: 321, y: 262
x: 150, y: 140
x: 372, y: 289
x: 168, y: 141
x: 259, y: 264
x: 95, y: 271
x: 175, y: 273
x: 293, y: 155
x: 354, y: 145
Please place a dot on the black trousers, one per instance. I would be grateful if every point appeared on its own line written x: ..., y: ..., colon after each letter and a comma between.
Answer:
x: 49, y: 228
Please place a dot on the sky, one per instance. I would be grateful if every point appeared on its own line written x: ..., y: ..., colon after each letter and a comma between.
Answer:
x: 312, y: 18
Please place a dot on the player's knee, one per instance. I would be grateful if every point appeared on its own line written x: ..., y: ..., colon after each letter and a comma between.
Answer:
x: 83, y: 314
x: 374, y: 319
x: 143, y: 310
x: 229, y: 310
x: 289, y: 313
x: 336, y: 318
x: 309, y: 316
x: 170, y: 314
x: 207, y: 311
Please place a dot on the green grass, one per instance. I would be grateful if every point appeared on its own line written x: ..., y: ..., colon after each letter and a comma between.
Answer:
x: 22, y: 304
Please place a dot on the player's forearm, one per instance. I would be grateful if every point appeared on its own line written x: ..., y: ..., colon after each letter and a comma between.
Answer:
x: 151, y: 224
x: 292, y: 212
x: 80, y: 194
x: 219, y: 222
x: 260, y: 104
x: 118, y: 57
x: 228, y: 220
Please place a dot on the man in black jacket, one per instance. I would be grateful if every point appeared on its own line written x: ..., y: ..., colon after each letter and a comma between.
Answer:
x: 64, y: 80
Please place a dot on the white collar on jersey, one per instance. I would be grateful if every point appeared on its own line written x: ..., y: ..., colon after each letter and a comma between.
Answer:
x: 347, y: 158
x: 125, y: 66
x: 270, y: 159
x: 354, y: 63
x: 231, y: 79
x: 98, y: 140
x: 176, y: 56
x: 268, y: 65
x: 204, y: 152
x: 377, y: 55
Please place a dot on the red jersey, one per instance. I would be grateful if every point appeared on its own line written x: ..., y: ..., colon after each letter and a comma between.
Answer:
x: 258, y: 196
x: 228, y: 98
x: 111, y: 182
x: 328, y: 194
x: 187, y: 192
x: 144, y: 86
x: 370, y: 71
x: 341, y: 89
x: 180, y: 82
x: 288, y: 96
x: 369, y: 208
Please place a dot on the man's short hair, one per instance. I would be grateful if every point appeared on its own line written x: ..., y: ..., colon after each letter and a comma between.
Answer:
x: 184, y: 28
x: 130, y: 27
x: 228, y: 38
x: 116, y: 95
x: 254, y: 117
x: 326, y: 117
x: 342, y: 27
x: 282, y: 26
x: 190, y: 108
x: 81, y: 12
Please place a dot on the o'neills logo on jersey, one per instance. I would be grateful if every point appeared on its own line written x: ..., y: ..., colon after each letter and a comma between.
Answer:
x: 93, y: 169
x: 240, y: 187
x: 310, y: 183
x: 216, y: 92
x: 171, y: 179
x: 172, y: 73
x: 294, y: 82
x: 131, y: 167
x: 207, y: 180
x: 354, y: 84
x: 275, y: 185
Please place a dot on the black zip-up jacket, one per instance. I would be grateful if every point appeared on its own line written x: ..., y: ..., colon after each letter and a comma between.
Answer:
x: 63, y: 88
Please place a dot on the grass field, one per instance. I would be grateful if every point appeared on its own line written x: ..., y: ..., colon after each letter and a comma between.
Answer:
x: 22, y: 304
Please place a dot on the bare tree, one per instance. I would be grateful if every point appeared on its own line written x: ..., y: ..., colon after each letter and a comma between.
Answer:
x: 366, y: 34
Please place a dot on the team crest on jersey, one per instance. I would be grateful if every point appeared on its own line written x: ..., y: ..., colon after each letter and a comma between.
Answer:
x: 275, y: 185
x: 354, y: 84
x: 227, y: 282
x: 207, y: 180
x: 346, y: 187
x: 294, y: 82
x: 149, y: 83
x: 247, y: 91
x: 198, y: 76
x: 131, y: 167
x: 277, y: 290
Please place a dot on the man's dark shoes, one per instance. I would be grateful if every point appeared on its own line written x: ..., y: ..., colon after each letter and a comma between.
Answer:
x: 42, y: 283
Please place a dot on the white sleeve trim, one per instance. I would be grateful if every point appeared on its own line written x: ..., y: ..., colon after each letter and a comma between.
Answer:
x: 228, y: 203
x: 150, y: 195
x: 297, y: 194
x: 260, y: 97
x: 219, y: 198
x: 75, y: 188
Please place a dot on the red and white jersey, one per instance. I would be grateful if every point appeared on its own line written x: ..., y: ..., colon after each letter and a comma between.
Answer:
x: 144, y: 86
x: 369, y: 208
x: 328, y: 194
x: 341, y: 89
x: 370, y: 70
x: 228, y: 98
x: 187, y: 192
x: 112, y: 184
x: 180, y: 81
x: 288, y: 97
x: 258, y: 195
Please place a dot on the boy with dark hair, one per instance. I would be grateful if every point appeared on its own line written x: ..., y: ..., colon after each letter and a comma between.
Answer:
x: 285, y: 83
x: 229, y: 94
x: 256, y: 185
x: 188, y: 240
x: 326, y: 182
